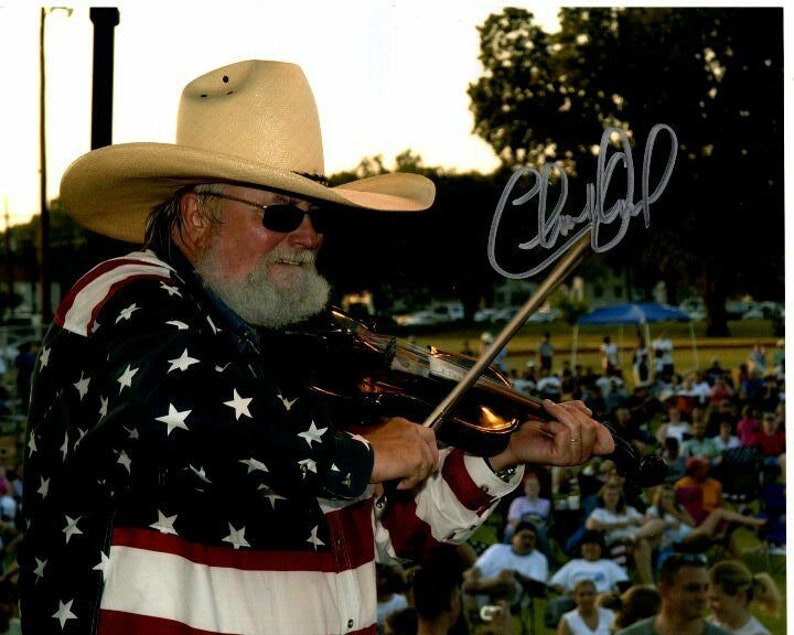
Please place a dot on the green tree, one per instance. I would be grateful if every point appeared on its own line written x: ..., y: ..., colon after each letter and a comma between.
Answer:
x: 713, y: 75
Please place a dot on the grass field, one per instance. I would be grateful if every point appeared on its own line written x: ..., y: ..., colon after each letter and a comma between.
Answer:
x: 689, y: 354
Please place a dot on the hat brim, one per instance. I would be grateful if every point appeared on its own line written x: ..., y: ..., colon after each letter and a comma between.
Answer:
x: 113, y: 189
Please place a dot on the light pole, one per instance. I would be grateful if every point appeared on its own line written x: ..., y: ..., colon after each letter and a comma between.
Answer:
x: 46, y: 297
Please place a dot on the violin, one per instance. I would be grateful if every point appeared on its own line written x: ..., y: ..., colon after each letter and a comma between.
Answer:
x: 365, y: 375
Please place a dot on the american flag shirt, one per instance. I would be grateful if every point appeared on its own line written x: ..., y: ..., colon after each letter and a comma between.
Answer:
x: 179, y: 480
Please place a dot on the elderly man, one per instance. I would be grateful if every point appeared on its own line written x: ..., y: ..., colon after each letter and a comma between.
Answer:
x: 181, y: 473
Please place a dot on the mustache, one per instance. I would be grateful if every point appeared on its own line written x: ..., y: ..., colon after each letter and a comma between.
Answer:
x: 283, y: 252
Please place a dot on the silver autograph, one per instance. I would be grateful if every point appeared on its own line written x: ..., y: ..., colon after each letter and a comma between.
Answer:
x: 594, y: 216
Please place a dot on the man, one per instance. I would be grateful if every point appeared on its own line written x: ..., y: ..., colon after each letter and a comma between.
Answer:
x: 181, y: 473
x: 683, y: 586
x: 501, y: 570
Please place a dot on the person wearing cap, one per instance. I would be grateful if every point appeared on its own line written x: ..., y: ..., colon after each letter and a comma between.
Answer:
x: 181, y: 474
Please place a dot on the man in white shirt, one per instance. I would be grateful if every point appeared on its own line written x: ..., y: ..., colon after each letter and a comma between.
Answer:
x: 500, y: 571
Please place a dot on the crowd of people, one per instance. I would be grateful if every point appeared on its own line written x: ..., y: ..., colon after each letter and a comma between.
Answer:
x: 670, y: 561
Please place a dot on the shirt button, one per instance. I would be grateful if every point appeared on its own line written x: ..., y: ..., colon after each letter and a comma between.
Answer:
x: 350, y: 623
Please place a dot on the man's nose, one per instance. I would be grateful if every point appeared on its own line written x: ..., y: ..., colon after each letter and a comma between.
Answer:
x: 305, y: 235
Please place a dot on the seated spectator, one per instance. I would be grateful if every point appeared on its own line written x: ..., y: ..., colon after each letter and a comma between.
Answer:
x: 701, y: 496
x: 725, y: 439
x: 638, y: 602
x: 770, y: 439
x: 498, y: 572
x: 390, y: 586
x: 549, y: 385
x: 716, y: 371
x: 732, y: 589
x: 673, y: 427
x: 630, y: 430
x: 725, y: 409
x: 719, y: 390
x: 748, y: 424
x: 587, y: 618
x: 675, y: 461
x: 593, y: 398
x: 606, y: 575
x: 532, y: 508
x: 699, y: 444
x: 626, y: 530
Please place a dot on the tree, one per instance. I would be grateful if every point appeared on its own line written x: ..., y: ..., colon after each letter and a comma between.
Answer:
x: 713, y: 75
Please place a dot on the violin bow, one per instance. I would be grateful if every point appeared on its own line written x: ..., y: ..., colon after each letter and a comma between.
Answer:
x: 564, y: 266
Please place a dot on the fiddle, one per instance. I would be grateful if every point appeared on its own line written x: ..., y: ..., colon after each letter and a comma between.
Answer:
x: 365, y: 376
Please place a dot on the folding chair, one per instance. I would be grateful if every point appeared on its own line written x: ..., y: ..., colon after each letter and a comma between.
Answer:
x: 773, y: 534
x: 739, y: 472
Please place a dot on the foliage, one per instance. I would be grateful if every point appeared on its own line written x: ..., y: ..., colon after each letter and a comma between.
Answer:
x: 713, y: 75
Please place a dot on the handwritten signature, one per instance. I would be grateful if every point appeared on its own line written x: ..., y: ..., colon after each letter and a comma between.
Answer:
x: 594, y: 216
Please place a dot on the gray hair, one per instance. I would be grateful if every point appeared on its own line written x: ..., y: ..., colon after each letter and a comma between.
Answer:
x: 165, y: 218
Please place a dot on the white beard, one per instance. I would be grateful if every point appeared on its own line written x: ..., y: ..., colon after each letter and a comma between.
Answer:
x: 264, y: 299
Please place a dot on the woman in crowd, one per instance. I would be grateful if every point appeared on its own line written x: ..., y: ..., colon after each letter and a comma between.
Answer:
x: 732, y: 589
x: 587, y: 618
x: 681, y: 531
x: 530, y: 507
x: 623, y: 524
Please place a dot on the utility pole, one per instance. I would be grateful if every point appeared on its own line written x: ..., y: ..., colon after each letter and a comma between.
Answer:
x: 46, y: 281
x: 105, y: 20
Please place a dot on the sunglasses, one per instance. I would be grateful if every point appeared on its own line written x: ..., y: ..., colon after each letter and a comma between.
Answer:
x: 283, y: 218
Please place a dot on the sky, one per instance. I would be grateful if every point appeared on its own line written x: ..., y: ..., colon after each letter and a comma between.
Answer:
x: 388, y: 75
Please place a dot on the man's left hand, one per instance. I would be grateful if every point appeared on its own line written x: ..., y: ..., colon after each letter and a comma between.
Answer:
x: 572, y: 438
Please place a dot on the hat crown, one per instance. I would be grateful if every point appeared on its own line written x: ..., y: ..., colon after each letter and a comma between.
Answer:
x: 260, y: 111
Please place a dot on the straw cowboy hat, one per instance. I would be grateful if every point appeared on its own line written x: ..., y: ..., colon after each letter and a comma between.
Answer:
x: 253, y: 122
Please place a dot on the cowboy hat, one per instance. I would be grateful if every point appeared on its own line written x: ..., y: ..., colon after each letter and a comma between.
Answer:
x: 253, y: 122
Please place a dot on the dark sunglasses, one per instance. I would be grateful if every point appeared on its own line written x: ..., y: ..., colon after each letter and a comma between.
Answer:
x: 283, y: 218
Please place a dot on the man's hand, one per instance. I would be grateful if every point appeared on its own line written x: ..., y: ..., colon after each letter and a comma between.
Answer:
x: 572, y: 439
x: 404, y: 451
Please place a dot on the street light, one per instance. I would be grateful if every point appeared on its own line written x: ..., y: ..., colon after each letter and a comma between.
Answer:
x: 46, y: 297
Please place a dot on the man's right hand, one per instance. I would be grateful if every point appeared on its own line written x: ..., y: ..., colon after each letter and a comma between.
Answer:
x: 404, y: 451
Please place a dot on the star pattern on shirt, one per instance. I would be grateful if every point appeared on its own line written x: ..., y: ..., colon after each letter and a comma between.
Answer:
x: 39, y: 570
x: 288, y: 403
x: 307, y: 465
x: 313, y: 434
x: 313, y: 540
x: 71, y: 528
x: 180, y: 326
x: 236, y: 537
x: 44, y: 356
x: 125, y: 379
x: 64, y: 612
x: 170, y: 289
x: 165, y: 524
x: 103, y: 565
x: 126, y: 314
x: 240, y: 405
x: 82, y: 385
x: 183, y: 362
x: 271, y: 495
x: 174, y: 419
x: 254, y: 465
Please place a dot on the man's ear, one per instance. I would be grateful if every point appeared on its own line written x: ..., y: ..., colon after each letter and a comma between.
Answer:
x: 195, y: 223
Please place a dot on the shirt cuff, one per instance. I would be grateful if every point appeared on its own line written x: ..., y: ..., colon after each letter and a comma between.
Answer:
x: 487, y: 480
